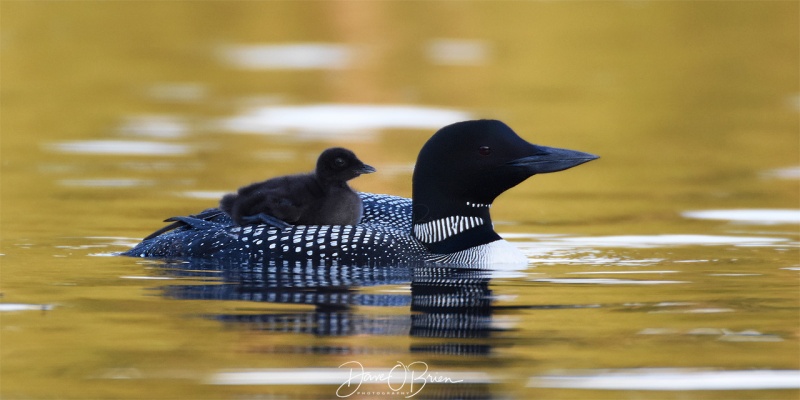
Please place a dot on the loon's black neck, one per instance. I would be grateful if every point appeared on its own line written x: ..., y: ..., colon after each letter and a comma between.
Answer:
x: 451, y: 225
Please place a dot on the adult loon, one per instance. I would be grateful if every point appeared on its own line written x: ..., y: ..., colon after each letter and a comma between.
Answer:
x: 322, y: 197
x: 459, y: 172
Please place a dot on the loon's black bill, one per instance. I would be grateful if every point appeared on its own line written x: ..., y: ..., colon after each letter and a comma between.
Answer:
x: 552, y: 159
x: 366, y: 169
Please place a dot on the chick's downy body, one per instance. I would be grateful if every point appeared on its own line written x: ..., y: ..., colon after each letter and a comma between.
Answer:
x: 322, y: 197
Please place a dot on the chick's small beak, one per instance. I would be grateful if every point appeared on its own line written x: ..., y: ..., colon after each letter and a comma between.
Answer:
x: 366, y: 169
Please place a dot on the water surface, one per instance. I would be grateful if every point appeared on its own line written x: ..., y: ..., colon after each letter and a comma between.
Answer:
x: 666, y: 269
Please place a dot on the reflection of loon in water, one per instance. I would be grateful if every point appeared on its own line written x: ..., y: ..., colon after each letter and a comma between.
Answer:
x: 453, y: 303
x: 446, y: 302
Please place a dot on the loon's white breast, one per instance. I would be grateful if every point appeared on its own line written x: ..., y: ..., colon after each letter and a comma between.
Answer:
x: 495, y: 253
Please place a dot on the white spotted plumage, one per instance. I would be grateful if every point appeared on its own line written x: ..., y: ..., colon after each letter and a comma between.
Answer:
x: 385, y: 234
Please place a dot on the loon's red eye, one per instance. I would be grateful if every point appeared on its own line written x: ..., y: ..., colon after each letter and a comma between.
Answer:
x: 485, y: 150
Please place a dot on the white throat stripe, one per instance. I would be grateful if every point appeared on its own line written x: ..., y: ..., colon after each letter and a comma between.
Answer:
x: 441, y: 229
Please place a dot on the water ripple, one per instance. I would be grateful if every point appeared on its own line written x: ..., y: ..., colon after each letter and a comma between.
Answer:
x: 120, y: 147
x: 10, y: 307
x: 783, y: 173
x: 748, y: 216
x: 154, y: 126
x: 653, y: 241
x: 671, y: 379
x: 604, y: 281
x: 461, y: 52
x: 349, y: 120
x: 114, y: 182
x: 290, y: 56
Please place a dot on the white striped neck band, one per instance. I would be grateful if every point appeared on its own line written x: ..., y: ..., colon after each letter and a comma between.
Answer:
x: 443, y: 228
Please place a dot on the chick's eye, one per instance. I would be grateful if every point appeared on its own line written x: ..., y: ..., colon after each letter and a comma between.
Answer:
x: 339, y: 162
x: 485, y: 150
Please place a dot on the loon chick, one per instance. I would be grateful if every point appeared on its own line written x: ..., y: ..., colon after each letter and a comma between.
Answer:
x: 459, y: 172
x: 322, y: 197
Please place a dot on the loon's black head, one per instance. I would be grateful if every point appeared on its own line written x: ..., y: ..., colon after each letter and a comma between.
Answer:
x: 340, y: 165
x: 463, y: 168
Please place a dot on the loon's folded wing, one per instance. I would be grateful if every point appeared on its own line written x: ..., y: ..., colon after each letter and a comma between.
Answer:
x: 349, y: 244
x: 211, y: 215
x: 384, y: 234
x: 378, y: 209
x: 384, y: 209
x: 195, y: 223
